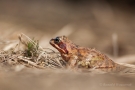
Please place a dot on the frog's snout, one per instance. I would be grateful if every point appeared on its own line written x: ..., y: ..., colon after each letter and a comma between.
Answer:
x: 51, y: 41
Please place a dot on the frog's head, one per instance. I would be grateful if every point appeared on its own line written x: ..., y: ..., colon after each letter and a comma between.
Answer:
x: 61, y: 43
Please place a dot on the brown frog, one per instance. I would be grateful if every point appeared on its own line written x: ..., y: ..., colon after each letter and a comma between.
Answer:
x: 80, y: 57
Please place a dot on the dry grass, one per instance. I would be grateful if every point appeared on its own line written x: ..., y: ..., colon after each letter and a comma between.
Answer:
x: 28, y: 53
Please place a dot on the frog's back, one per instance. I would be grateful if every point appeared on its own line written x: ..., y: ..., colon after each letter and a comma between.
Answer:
x: 92, y: 58
x: 95, y: 59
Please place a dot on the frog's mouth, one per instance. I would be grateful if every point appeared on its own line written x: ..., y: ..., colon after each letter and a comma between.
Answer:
x: 60, y: 47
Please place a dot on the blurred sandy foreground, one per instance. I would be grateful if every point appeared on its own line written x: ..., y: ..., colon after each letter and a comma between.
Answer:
x: 105, y: 25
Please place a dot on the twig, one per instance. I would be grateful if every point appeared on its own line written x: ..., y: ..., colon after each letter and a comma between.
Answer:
x: 115, y: 45
x: 29, y: 62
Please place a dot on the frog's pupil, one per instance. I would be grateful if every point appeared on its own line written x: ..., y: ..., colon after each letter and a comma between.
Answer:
x: 57, y: 40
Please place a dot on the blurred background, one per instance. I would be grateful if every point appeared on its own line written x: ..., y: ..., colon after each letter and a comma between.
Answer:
x: 102, y: 24
x: 107, y: 25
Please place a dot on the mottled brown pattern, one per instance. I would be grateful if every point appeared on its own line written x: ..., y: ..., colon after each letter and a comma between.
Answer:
x: 81, y: 57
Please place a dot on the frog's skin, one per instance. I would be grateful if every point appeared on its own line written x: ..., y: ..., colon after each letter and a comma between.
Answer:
x: 80, y: 57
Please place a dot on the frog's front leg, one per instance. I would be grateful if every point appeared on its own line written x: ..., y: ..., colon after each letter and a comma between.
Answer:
x: 72, y: 62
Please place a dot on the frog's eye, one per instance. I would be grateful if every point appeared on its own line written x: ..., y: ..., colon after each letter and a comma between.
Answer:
x: 57, y: 40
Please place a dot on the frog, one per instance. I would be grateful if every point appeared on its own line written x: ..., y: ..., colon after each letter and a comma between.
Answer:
x: 80, y: 57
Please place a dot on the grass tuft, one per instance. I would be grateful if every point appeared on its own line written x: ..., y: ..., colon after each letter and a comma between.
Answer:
x: 29, y: 53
